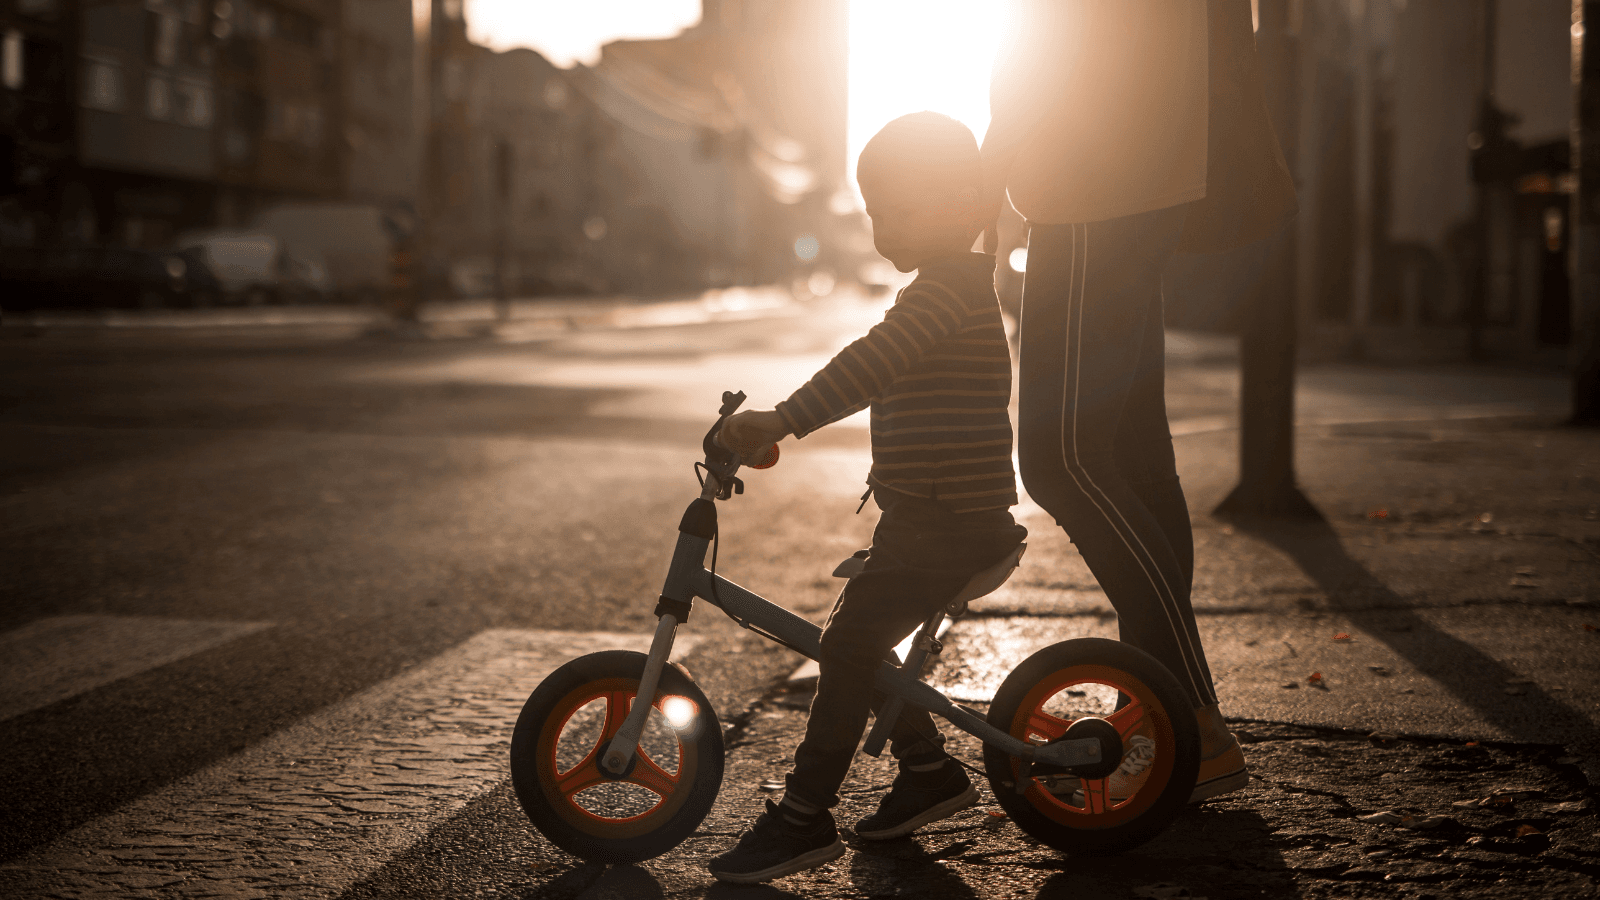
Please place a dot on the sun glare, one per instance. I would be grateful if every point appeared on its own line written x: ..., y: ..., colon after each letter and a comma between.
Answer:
x: 567, y: 32
x: 907, y: 57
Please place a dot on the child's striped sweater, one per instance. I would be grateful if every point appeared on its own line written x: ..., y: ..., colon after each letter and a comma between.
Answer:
x: 937, y: 374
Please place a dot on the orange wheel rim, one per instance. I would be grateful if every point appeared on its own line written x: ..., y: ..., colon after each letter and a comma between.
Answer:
x: 1098, y: 808
x: 563, y: 785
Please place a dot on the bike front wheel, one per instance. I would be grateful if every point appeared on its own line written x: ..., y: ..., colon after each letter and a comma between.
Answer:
x: 562, y: 734
x: 1094, y: 678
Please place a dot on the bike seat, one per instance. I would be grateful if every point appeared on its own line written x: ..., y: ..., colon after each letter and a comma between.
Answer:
x: 982, y: 584
x: 987, y: 581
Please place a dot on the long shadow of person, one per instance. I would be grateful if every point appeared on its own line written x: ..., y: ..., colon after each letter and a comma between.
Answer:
x: 905, y: 867
x: 1468, y: 674
x: 1213, y: 851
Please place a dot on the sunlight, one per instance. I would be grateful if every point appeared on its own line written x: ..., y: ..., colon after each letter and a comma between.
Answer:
x: 930, y: 55
x: 567, y: 32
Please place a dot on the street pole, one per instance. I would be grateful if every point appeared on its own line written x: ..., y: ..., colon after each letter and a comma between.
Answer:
x: 1267, y: 343
x: 503, y: 205
x: 1585, y: 215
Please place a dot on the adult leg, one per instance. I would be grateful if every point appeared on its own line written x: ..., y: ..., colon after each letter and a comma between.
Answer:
x: 1087, y: 304
x: 1144, y: 446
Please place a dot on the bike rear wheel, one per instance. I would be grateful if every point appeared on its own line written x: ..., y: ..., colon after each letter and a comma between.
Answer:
x: 562, y: 733
x: 1080, y: 679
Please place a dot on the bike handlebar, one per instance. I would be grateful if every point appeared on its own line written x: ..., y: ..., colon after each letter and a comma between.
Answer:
x: 722, y: 461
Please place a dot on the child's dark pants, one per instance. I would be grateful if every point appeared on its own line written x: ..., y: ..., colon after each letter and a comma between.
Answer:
x: 922, y: 556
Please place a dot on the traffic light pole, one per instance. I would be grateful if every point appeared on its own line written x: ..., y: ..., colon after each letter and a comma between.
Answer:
x: 1585, y: 259
x: 1267, y: 344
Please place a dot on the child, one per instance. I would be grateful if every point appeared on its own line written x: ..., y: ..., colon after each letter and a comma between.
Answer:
x: 937, y: 374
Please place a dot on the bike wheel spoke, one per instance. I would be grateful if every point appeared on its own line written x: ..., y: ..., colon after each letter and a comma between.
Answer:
x: 616, y: 713
x: 652, y: 777
x: 580, y: 777
x: 1127, y: 719
x: 1042, y: 723
x: 1096, y: 795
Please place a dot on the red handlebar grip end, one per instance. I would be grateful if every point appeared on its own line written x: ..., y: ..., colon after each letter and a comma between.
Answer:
x: 770, y: 460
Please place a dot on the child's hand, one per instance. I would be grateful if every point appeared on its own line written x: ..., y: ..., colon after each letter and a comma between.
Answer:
x: 749, y: 432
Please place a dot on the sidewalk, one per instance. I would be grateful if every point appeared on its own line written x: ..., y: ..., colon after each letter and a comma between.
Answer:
x: 1416, y: 678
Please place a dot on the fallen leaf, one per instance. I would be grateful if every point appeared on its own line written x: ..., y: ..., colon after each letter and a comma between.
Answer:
x: 1378, y: 514
x: 1526, y: 830
x: 1472, y: 743
x: 997, y: 813
x: 1588, y: 627
x: 1342, y: 636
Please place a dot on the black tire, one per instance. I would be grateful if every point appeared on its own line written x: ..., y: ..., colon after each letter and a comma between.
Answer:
x: 1094, y: 822
x: 582, y: 810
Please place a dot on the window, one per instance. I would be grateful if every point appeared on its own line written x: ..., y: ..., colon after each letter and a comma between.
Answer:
x: 102, y: 85
x: 165, y: 34
x: 43, y: 9
x: 158, y: 103
x: 193, y: 103
x: 11, y: 59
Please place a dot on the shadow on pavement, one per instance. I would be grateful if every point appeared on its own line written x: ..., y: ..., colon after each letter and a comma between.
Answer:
x: 1208, y: 851
x: 1461, y: 669
x: 903, y: 867
x: 614, y: 883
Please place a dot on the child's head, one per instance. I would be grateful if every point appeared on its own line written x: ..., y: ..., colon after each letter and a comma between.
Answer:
x: 920, y: 177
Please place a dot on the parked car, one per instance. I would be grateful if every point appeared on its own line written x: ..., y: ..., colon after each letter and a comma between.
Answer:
x: 104, y: 277
x: 247, y: 264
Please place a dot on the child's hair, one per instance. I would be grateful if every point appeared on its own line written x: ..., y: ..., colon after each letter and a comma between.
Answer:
x: 926, y: 146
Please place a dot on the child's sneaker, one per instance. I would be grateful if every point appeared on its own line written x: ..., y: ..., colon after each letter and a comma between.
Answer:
x: 917, y: 798
x: 779, y: 843
x: 1221, y: 774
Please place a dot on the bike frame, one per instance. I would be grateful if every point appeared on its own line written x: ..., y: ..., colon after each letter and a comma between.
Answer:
x: 687, y: 579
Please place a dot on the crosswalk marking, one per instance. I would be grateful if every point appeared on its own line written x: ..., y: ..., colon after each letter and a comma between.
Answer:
x: 316, y: 807
x: 49, y: 660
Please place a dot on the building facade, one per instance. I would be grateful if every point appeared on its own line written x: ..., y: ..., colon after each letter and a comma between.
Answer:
x: 1434, y: 185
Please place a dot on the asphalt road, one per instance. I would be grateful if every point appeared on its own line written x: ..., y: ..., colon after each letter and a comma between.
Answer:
x: 229, y: 549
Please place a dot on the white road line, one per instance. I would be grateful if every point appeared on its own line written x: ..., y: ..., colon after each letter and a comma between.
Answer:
x: 318, y: 806
x: 49, y: 660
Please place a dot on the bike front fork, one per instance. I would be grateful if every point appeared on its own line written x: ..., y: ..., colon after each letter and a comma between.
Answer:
x: 622, y: 746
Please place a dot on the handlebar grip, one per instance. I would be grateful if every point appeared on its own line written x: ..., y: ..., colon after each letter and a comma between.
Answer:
x: 768, y: 457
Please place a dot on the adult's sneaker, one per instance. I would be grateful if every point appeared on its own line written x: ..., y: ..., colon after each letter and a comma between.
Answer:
x: 918, y: 798
x: 778, y: 844
x: 1221, y: 774
x: 1130, y: 775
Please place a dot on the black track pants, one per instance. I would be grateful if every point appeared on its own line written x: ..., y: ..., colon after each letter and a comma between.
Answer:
x: 1093, y: 443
